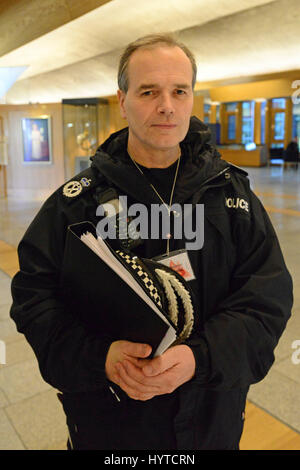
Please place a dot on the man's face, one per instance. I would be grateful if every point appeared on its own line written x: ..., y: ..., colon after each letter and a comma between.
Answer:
x: 159, y: 100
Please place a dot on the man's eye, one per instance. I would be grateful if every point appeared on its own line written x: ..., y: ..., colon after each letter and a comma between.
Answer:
x: 180, y: 92
x: 147, y: 93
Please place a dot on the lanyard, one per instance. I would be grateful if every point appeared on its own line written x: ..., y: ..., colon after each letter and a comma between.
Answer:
x: 157, y: 193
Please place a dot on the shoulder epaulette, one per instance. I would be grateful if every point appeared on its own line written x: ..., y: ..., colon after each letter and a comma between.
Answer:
x: 238, y: 169
x: 80, y: 184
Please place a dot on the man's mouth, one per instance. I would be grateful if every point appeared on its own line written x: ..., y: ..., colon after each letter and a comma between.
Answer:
x: 164, y: 126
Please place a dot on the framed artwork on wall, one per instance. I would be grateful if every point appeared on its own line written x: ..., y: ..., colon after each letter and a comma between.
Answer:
x: 36, y: 134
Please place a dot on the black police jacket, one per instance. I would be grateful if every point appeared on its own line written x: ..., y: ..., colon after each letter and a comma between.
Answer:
x: 242, y: 286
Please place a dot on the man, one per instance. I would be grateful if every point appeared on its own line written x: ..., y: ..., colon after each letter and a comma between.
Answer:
x: 193, y: 395
x: 291, y: 153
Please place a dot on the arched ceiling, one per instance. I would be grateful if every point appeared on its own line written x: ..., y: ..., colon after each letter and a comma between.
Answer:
x: 231, y: 40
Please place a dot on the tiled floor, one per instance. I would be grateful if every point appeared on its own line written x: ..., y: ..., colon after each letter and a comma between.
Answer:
x: 31, y: 417
x: 30, y: 414
x: 279, y: 392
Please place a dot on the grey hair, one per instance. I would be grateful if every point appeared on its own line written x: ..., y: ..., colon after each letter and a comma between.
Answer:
x: 151, y: 40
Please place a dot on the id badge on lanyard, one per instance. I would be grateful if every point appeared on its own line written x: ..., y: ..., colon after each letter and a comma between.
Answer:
x: 178, y: 261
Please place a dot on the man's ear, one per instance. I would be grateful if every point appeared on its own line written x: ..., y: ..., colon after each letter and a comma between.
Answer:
x: 121, y: 97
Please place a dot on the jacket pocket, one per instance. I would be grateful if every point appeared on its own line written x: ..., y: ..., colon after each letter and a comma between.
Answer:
x: 219, y: 419
x: 84, y: 407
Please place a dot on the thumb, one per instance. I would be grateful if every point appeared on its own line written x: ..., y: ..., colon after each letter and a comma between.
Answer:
x: 154, y: 367
x: 139, y: 350
x: 162, y: 363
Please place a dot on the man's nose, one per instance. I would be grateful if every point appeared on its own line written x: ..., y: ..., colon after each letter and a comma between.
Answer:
x: 165, y: 105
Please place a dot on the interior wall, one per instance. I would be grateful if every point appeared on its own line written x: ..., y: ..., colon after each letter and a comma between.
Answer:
x: 116, y: 122
x: 38, y: 179
x: 104, y: 128
x: 254, y: 90
x: 198, y: 108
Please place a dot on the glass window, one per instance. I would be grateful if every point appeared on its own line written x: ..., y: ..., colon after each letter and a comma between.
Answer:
x: 263, y: 122
x: 296, y: 120
x: 207, y: 113
x: 231, y: 127
x: 231, y: 107
x: 279, y: 119
x: 277, y: 146
x: 247, y: 122
x: 278, y: 103
x: 218, y: 113
x: 246, y: 108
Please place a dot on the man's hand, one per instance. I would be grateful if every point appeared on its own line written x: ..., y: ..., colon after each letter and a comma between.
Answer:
x: 120, y: 351
x: 143, y: 379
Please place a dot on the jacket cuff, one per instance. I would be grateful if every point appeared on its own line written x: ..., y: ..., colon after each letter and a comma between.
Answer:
x: 201, y: 354
x: 98, y: 378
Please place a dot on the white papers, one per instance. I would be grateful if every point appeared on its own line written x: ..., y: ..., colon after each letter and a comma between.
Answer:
x: 101, y: 249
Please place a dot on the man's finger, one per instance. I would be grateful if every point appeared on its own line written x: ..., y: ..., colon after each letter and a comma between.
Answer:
x: 136, y: 373
x: 132, y: 393
x: 136, y: 349
x: 160, y: 364
x: 134, y: 389
x: 134, y: 379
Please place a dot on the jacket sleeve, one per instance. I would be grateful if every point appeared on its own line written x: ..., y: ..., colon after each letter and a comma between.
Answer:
x: 69, y: 358
x: 236, y: 346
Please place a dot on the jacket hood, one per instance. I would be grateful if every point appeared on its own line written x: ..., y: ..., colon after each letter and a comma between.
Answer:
x: 201, y: 161
x: 197, y: 136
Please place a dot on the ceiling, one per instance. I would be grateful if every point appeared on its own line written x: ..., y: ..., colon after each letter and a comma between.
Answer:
x: 77, y: 57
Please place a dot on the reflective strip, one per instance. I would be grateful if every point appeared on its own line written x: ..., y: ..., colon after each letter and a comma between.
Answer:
x: 69, y: 434
x: 70, y: 440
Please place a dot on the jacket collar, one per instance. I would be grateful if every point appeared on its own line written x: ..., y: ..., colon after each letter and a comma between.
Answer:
x: 201, y: 162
